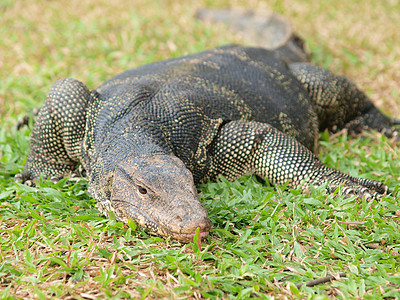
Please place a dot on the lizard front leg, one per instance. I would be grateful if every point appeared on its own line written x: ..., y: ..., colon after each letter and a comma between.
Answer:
x: 242, y: 147
x: 58, y: 132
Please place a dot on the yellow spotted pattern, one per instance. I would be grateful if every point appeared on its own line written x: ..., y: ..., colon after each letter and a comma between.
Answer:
x: 229, y: 110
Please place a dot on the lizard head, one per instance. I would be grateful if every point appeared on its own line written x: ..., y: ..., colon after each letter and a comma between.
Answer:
x: 158, y: 193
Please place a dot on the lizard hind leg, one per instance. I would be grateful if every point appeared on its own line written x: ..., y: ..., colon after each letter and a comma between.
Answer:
x: 339, y: 103
x: 58, y: 132
x: 373, y: 119
x: 394, y: 122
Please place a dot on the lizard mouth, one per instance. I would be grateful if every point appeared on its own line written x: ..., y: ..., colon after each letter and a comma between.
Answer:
x: 185, y: 237
x: 125, y: 211
x: 188, y: 237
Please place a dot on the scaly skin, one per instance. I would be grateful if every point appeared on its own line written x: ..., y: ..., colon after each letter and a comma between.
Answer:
x: 147, y: 136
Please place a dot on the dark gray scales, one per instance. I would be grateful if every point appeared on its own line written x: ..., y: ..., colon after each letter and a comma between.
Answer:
x: 146, y: 137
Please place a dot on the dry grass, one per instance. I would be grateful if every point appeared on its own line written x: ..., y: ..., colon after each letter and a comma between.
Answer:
x: 357, y: 38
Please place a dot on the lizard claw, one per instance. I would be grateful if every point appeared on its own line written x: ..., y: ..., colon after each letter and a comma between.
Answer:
x: 364, y: 192
x: 24, y: 179
x: 369, y: 190
x: 19, y: 178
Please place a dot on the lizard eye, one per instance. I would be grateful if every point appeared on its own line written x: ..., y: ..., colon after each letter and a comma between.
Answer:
x: 142, y: 190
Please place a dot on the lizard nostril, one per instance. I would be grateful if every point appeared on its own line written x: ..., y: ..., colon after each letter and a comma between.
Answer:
x: 178, y: 218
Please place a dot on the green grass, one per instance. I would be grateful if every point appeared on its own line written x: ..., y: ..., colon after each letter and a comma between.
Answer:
x: 264, y: 241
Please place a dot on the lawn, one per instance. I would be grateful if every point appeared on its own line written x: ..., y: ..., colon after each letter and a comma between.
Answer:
x: 265, y: 242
